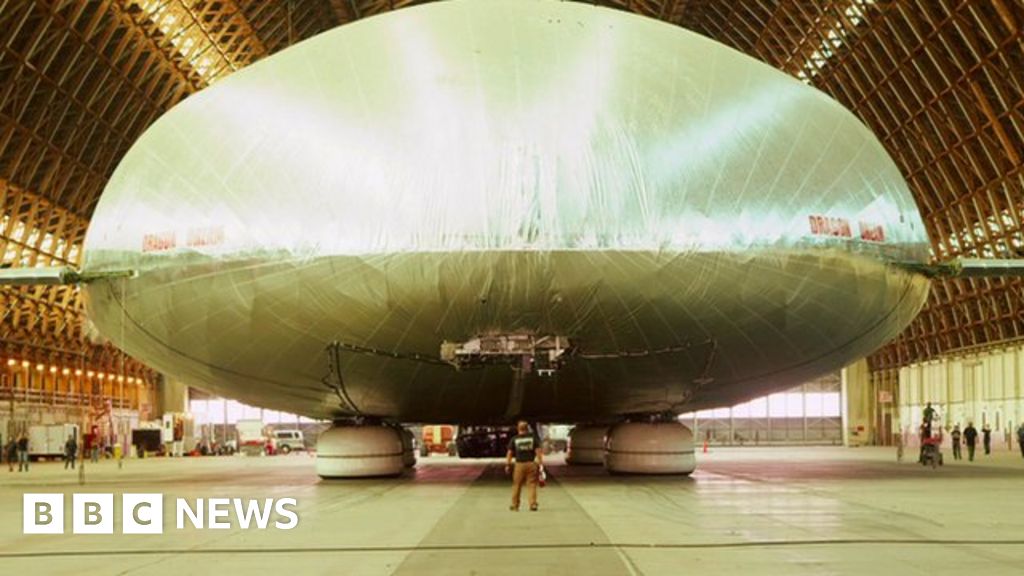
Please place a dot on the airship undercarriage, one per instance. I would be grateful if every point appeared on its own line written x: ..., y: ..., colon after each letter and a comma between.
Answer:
x: 655, y: 443
x: 649, y: 444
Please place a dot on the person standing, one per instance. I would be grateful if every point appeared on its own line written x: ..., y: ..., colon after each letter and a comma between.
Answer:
x: 955, y: 436
x: 986, y: 438
x: 525, y: 448
x: 929, y: 415
x: 971, y: 439
x: 12, y: 453
x: 1020, y: 438
x: 23, y: 453
x: 70, y: 451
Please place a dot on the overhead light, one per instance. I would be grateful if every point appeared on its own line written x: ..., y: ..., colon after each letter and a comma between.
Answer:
x: 66, y: 371
x: 78, y: 372
x: 24, y: 363
x: 11, y: 362
x: 90, y: 373
x: 40, y: 367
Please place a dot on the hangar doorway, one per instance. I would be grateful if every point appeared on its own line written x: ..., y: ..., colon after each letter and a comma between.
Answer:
x: 807, y: 414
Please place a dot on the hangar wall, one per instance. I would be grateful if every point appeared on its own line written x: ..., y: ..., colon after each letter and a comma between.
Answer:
x: 39, y: 394
x: 984, y: 386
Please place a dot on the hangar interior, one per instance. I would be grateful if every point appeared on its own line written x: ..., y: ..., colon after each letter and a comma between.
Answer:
x: 82, y: 80
x: 939, y: 82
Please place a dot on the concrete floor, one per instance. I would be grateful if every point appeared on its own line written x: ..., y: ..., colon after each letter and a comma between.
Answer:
x: 746, y: 510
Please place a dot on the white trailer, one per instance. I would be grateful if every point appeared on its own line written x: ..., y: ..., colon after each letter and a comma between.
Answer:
x: 252, y: 437
x: 47, y: 440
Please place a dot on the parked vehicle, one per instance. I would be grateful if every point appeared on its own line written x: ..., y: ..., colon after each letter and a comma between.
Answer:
x: 931, y: 453
x: 147, y: 440
x: 438, y: 439
x: 224, y: 448
x: 483, y: 441
x: 47, y: 440
x: 285, y: 441
x: 556, y: 438
x: 252, y: 438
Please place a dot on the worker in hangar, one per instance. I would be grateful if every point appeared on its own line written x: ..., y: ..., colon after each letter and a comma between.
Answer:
x: 525, y: 450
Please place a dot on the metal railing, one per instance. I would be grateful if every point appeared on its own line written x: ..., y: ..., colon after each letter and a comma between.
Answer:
x: 60, y: 398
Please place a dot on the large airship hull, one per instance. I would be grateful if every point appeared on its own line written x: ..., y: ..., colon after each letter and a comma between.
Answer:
x: 309, y: 232
x: 654, y: 332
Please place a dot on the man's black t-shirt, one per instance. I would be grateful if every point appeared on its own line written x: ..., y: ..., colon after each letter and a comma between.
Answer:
x: 524, y: 446
x: 970, y: 435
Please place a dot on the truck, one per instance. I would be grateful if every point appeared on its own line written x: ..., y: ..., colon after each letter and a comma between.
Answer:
x: 252, y: 437
x: 439, y: 439
x: 47, y: 440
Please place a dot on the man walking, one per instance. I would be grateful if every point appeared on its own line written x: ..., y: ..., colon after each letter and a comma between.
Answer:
x: 986, y: 438
x: 70, y: 451
x: 23, y: 453
x: 955, y: 436
x: 525, y: 449
x: 970, y: 438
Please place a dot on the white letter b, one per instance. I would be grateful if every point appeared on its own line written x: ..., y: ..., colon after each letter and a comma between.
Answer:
x: 43, y: 513
x: 92, y: 514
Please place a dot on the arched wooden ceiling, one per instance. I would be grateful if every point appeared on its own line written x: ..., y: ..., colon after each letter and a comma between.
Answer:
x: 941, y: 82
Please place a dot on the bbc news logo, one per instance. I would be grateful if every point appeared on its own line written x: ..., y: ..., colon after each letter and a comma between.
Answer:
x: 144, y: 513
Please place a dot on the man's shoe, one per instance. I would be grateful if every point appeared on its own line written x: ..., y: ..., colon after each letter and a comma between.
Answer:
x: 533, y: 507
x: 514, y: 508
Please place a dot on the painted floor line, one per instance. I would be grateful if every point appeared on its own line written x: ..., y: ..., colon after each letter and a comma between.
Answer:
x: 539, y: 546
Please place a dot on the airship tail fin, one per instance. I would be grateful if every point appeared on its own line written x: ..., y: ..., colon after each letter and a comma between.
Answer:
x: 55, y: 276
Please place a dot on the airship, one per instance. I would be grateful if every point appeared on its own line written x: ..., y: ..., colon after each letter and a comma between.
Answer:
x: 484, y: 211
